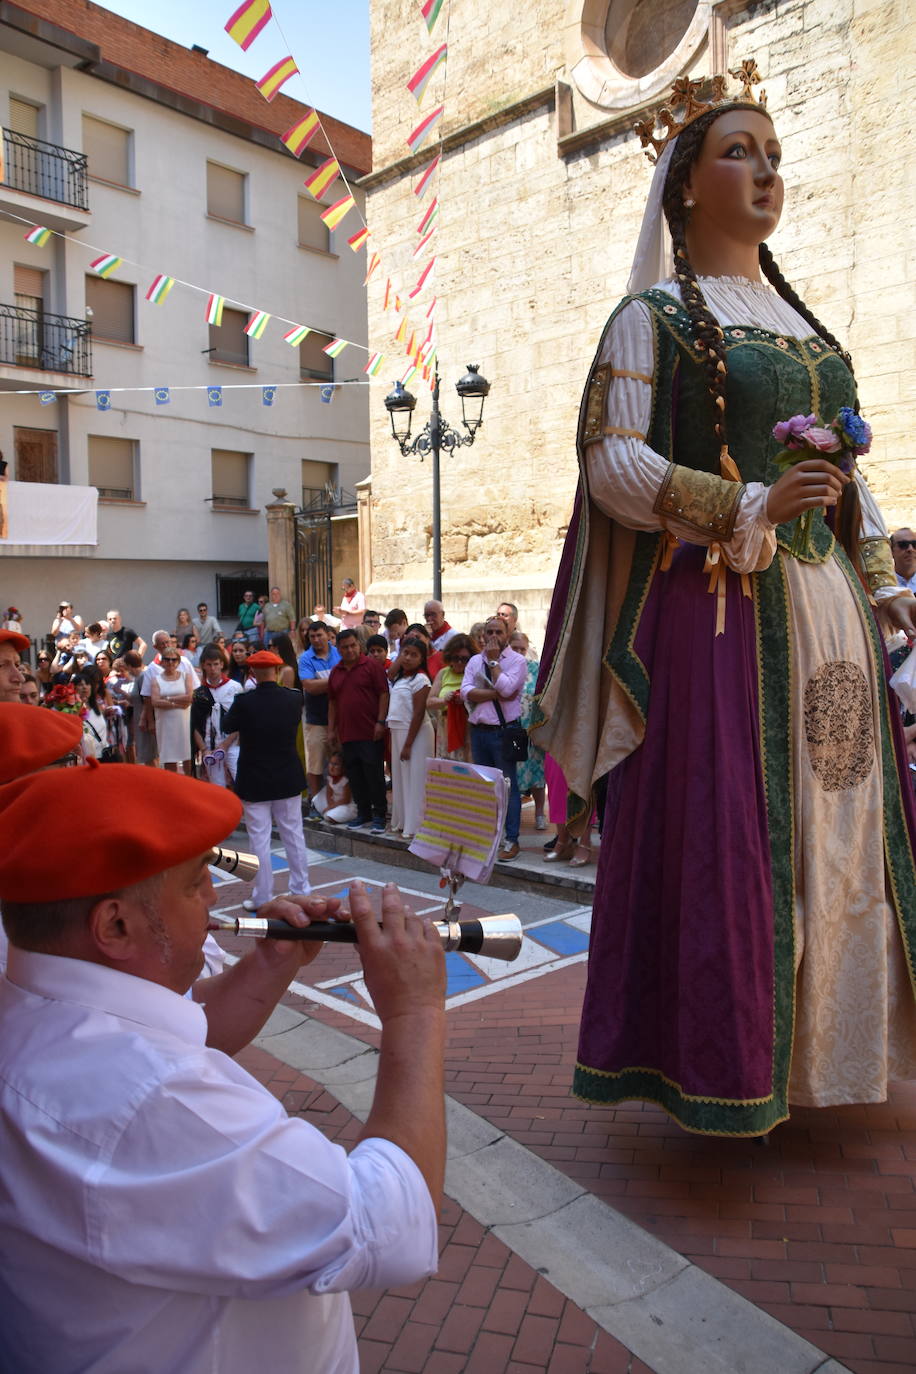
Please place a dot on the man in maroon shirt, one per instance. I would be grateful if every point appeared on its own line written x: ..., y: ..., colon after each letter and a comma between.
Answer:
x: 357, y: 707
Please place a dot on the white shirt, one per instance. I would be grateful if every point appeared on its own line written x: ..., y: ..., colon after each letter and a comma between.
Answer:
x: 625, y: 474
x: 400, y: 700
x: 159, y: 1211
x: 154, y: 670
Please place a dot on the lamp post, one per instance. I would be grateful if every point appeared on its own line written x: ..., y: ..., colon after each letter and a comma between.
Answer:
x: 436, y: 435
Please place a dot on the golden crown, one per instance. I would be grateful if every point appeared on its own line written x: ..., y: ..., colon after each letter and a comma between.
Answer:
x: 691, y: 98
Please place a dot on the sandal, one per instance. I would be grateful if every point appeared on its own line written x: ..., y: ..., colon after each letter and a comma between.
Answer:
x: 582, y: 856
x: 560, y: 852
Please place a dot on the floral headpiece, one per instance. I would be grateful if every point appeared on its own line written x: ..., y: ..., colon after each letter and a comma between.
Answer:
x: 691, y: 98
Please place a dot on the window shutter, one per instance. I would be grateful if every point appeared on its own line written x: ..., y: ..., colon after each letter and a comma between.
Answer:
x: 225, y: 193
x: 108, y: 150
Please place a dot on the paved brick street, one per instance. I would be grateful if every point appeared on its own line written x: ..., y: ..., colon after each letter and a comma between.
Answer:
x: 818, y: 1229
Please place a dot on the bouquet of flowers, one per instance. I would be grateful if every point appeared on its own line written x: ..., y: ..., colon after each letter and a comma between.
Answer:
x: 63, y: 698
x: 804, y: 437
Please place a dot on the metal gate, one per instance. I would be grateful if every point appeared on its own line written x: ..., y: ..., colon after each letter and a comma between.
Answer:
x: 315, y: 545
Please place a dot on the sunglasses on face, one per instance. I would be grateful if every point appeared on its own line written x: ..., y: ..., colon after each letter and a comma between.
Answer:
x: 905, y: 544
x: 170, y: 659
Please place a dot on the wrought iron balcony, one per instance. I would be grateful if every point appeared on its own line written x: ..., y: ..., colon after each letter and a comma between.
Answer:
x: 50, y: 343
x: 45, y: 169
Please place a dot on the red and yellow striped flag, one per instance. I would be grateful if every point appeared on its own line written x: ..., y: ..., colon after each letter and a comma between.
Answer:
x: 279, y: 73
x: 321, y: 178
x: 248, y: 21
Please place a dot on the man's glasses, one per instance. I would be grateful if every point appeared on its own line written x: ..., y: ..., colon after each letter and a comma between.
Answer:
x: 905, y: 544
x: 170, y: 659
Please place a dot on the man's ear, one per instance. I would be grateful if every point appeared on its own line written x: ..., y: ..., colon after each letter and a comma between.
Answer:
x: 113, y: 928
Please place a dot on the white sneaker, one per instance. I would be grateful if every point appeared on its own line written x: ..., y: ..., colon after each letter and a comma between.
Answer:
x: 540, y: 822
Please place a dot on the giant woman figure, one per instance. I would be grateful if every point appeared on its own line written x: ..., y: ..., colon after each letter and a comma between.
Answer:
x: 754, y: 926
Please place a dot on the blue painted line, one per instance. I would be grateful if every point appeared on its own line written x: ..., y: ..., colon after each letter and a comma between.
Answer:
x: 347, y: 994
x: 560, y: 937
x: 461, y: 975
x: 278, y: 863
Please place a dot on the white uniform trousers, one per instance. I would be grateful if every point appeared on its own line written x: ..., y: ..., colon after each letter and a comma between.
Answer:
x: 259, y: 817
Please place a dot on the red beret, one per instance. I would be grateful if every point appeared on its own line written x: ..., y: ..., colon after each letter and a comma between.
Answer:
x: 120, y: 823
x: 31, y: 738
x: 264, y: 659
x: 20, y: 642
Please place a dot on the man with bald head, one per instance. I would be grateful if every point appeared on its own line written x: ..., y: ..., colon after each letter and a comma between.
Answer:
x: 440, y: 631
x: 903, y: 549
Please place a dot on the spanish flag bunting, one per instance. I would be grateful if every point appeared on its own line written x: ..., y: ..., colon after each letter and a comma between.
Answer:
x: 215, y: 309
x: 423, y: 130
x: 335, y: 213
x: 426, y: 373
x: 422, y: 278
x: 423, y: 242
x: 160, y: 289
x: 374, y: 263
x: 257, y: 323
x: 358, y: 240
x: 295, y: 335
x: 430, y: 10
x: 298, y: 138
x: 280, y: 72
x: 409, y: 375
x: 374, y: 365
x: 422, y: 76
x: 401, y: 335
x: 322, y: 177
x: 427, y: 173
x: 387, y: 301
x: 39, y: 235
x: 335, y: 347
x: 411, y: 349
x: 106, y: 264
x: 398, y: 303
x: 432, y: 212
x: 248, y: 21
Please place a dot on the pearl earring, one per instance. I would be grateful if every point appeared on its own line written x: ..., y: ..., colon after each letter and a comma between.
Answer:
x: 689, y: 203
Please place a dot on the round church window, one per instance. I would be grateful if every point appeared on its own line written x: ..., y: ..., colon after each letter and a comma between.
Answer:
x: 641, y: 34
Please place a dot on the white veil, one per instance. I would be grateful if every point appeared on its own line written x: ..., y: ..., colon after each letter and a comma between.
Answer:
x: 653, y: 260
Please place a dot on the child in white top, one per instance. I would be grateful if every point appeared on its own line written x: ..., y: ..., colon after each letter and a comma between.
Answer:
x: 335, y: 800
x: 412, y: 739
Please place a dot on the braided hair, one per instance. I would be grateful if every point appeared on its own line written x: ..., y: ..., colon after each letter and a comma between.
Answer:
x: 709, y: 339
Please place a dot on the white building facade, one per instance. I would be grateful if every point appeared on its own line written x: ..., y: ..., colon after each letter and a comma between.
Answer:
x: 118, y: 162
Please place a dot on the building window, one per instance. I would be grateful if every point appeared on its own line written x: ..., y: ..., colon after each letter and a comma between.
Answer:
x: 228, y: 341
x: 112, y: 467
x: 29, y: 286
x: 316, y: 479
x: 313, y: 232
x: 112, y: 306
x: 109, y: 151
x: 24, y: 117
x: 315, y: 365
x: 640, y: 34
x: 231, y: 478
x: 226, y: 193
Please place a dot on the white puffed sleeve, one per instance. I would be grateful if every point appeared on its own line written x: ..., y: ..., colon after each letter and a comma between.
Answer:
x: 625, y: 475
x: 874, y: 526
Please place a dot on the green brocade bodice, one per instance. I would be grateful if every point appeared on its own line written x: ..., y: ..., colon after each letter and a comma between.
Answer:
x: 771, y: 377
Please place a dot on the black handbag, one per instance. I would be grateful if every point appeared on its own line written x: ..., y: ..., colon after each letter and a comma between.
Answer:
x: 514, y: 736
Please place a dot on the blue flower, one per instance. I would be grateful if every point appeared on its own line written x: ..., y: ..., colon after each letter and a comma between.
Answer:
x: 855, y: 428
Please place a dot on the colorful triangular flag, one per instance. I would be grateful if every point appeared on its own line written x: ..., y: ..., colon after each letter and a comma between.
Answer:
x: 359, y: 239
x: 423, y: 242
x: 423, y: 130
x: 106, y: 264
x: 248, y: 21
x: 335, y: 347
x: 257, y: 323
x: 422, y: 278
x: 295, y: 336
x: 336, y: 212
x: 270, y: 83
x: 422, y: 184
x: 160, y: 289
x: 421, y: 77
x: 374, y: 365
x: 374, y: 263
x: 300, y: 135
x: 430, y: 10
x: 321, y: 178
x: 215, y: 309
x: 39, y: 235
x: 431, y: 213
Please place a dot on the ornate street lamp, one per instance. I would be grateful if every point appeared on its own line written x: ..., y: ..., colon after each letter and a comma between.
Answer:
x: 436, y: 435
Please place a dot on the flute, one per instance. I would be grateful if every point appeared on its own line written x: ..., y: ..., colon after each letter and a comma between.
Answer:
x: 494, y: 937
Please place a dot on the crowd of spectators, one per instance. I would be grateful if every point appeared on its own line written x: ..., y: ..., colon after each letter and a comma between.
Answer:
x: 379, y: 695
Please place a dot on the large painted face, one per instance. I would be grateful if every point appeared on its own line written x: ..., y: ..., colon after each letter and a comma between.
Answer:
x: 735, y: 182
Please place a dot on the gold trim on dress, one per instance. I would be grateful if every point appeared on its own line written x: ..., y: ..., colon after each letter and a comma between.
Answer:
x: 633, y: 376
x: 878, y: 562
x: 704, y: 500
x: 624, y: 433
x: 594, y: 407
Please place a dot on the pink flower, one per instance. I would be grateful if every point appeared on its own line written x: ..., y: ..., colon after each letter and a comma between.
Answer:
x: 824, y: 440
x: 788, y: 432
